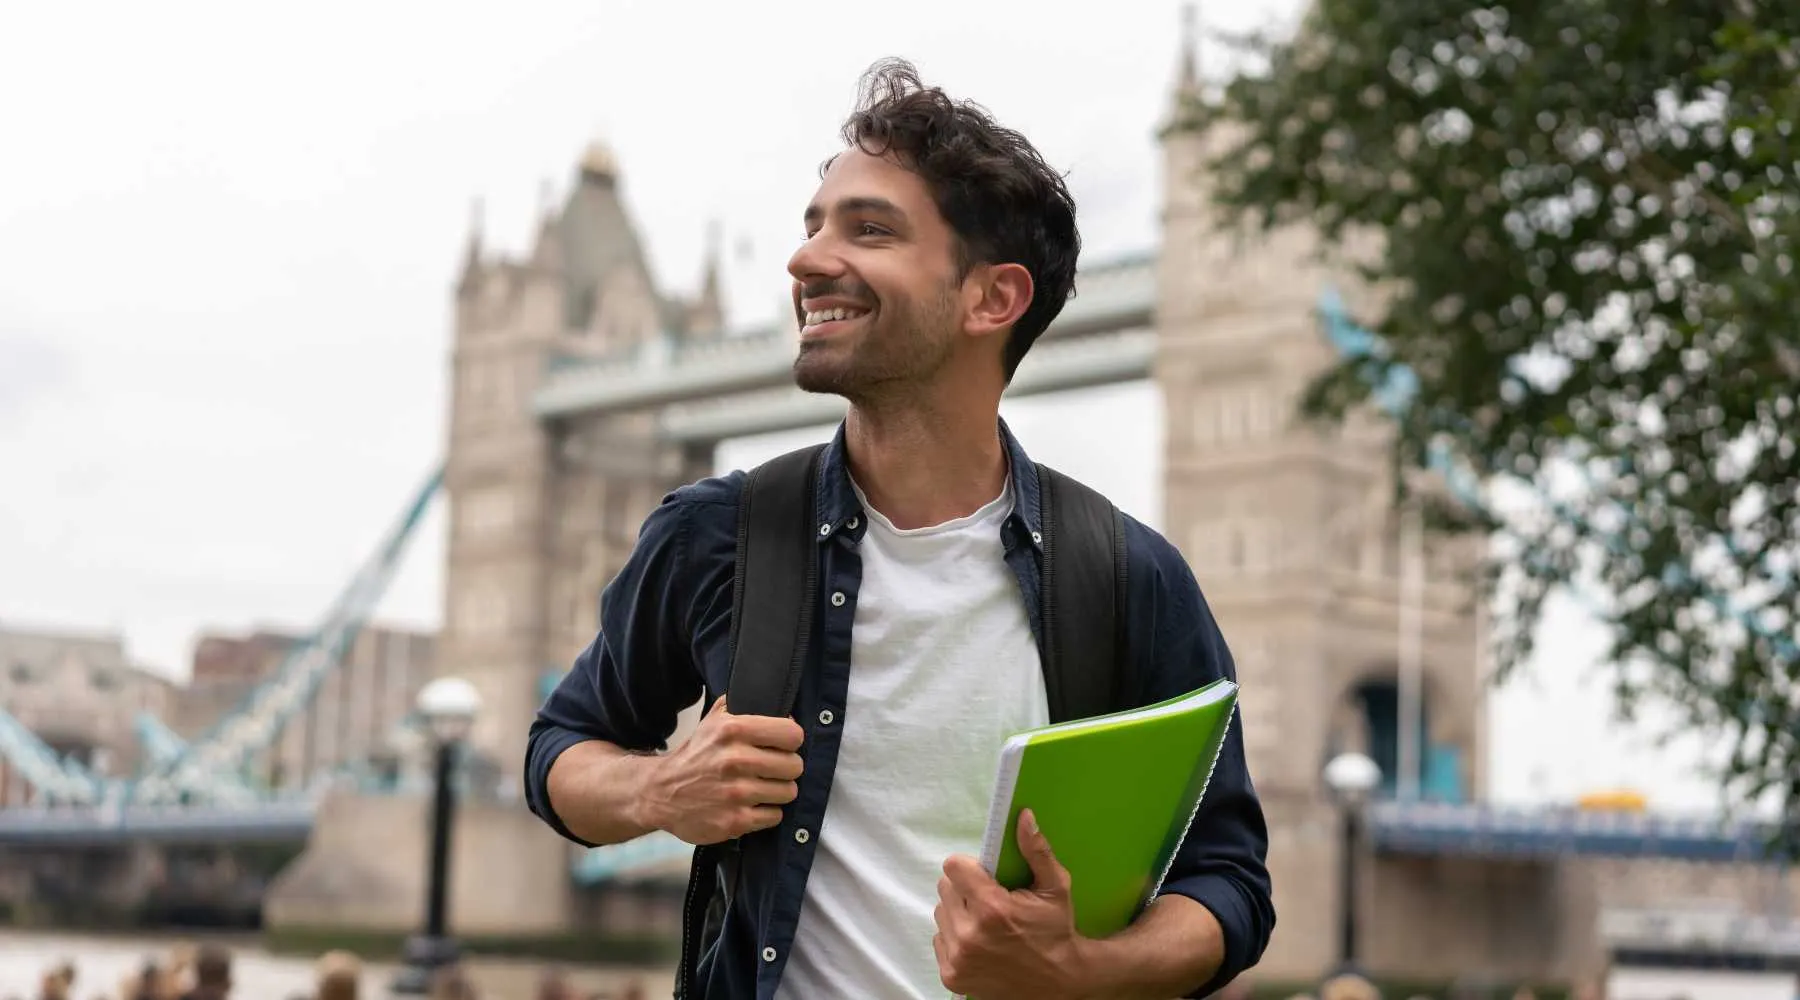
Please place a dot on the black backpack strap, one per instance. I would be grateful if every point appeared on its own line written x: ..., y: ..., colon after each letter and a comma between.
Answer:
x: 776, y: 575
x: 773, y: 594
x: 1085, y: 656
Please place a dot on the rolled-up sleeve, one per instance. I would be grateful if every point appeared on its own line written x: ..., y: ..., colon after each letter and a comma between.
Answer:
x: 637, y: 675
x: 1222, y: 863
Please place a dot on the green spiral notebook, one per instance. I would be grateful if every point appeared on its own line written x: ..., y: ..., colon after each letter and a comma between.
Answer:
x: 1114, y: 795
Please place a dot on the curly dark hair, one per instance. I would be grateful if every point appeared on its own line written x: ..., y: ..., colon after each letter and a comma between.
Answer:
x: 993, y: 188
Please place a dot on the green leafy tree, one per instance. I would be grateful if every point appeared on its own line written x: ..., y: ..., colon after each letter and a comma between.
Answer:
x: 1587, y: 219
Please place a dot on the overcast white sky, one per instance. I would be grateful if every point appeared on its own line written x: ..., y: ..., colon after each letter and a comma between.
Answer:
x: 228, y: 236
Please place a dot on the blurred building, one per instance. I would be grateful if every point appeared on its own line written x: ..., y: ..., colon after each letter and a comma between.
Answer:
x: 80, y: 693
x: 352, y: 720
x: 225, y: 670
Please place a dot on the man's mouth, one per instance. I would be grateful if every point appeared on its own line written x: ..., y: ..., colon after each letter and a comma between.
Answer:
x: 820, y: 322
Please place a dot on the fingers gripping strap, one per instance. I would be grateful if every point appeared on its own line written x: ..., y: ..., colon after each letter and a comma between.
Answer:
x: 776, y: 583
x: 1084, y: 567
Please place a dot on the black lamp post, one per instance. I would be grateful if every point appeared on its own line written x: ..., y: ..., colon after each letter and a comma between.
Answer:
x: 1352, y: 778
x: 448, y: 706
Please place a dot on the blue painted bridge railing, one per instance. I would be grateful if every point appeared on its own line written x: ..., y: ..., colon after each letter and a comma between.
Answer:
x: 1497, y: 831
x: 653, y: 854
x: 284, y: 821
x: 1393, y: 828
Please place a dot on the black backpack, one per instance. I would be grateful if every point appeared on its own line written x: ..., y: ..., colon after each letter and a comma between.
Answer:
x: 775, y: 591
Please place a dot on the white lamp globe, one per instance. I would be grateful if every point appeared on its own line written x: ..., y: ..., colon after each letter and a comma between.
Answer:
x: 449, y: 705
x: 1352, y: 777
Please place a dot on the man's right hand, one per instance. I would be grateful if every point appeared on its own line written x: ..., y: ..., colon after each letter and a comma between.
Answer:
x: 731, y: 777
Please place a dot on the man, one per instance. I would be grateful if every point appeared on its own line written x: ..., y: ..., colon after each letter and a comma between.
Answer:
x: 58, y: 982
x: 212, y: 974
x: 938, y: 247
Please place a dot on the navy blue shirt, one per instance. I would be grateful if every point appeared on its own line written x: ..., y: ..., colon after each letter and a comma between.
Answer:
x: 665, y: 621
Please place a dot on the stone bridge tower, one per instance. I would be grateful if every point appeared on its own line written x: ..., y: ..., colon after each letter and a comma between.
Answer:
x: 1290, y: 531
x: 542, y: 514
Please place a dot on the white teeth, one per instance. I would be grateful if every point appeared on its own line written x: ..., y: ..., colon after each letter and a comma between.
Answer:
x: 818, y: 316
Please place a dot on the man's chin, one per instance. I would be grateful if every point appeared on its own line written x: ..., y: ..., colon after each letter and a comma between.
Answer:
x: 814, y: 382
x: 816, y: 374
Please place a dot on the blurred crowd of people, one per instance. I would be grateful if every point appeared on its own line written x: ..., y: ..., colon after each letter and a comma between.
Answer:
x: 203, y: 972
x: 1350, y: 986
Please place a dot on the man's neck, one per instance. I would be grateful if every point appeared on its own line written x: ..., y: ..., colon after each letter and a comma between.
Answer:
x: 921, y: 465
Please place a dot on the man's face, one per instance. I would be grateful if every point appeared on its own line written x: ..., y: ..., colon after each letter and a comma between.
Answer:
x: 876, y: 289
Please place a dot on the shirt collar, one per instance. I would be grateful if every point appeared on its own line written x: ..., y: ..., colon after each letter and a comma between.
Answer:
x: 837, y: 508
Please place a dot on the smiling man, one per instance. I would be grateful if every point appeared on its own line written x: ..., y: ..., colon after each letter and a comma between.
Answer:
x: 938, y: 248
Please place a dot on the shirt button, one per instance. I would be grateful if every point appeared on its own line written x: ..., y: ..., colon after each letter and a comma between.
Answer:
x: 1036, y: 538
x: 824, y: 529
x: 768, y: 954
x: 826, y: 718
x: 837, y: 599
x: 852, y: 523
x: 801, y: 836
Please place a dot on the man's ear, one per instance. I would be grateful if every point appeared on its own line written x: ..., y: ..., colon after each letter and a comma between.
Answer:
x: 998, y: 294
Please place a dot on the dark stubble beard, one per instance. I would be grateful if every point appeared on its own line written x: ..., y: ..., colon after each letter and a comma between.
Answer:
x: 905, y: 345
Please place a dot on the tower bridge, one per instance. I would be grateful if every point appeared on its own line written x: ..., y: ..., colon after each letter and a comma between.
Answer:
x: 581, y: 392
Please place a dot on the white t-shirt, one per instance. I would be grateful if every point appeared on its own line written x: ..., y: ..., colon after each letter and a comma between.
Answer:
x: 943, y: 668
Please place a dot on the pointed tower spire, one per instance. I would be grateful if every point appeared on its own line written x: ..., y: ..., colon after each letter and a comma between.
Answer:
x: 706, y: 313
x: 715, y: 239
x: 477, y: 223
x: 546, y: 197
x: 1187, y: 79
x: 599, y: 164
x: 546, y: 250
x: 471, y: 268
x: 1188, y: 97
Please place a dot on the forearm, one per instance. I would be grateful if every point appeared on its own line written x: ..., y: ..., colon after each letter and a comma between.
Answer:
x: 1174, y: 948
x: 600, y: 791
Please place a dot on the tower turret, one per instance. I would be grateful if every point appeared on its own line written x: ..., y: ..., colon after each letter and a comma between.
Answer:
x: 470, y: 278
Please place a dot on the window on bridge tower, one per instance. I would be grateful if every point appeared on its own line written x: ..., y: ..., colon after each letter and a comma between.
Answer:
x: 1203, y: 420
x: 1259, y: 414
x: 1379, y: 702
x: 486, y: 510
x: 1439, y: 768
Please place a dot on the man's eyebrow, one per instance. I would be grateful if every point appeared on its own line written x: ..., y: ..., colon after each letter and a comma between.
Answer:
x: 856, y: 203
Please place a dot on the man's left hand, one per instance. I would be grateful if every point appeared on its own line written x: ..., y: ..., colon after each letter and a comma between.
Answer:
x: 993, y: 943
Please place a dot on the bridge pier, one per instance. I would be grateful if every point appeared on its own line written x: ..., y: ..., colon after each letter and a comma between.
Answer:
x: 84, y: 885
x: 364, y: 869
x: 1420, y: 918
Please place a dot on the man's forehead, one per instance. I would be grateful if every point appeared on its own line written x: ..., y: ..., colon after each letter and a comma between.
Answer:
x: 860, y: 179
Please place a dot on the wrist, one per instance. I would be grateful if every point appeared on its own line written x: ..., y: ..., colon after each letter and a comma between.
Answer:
x: 648, y: 806
x: 1094, y: 965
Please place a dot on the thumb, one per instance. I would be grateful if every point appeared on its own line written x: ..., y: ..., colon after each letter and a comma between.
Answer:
x: 1047, y: 873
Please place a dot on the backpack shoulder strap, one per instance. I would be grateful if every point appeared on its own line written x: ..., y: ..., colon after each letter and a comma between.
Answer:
x: 775, y: 580
x: 1086, y: 664
x: 773, y: 591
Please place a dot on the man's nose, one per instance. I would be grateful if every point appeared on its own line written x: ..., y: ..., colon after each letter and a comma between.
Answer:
x: 817, y: 257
